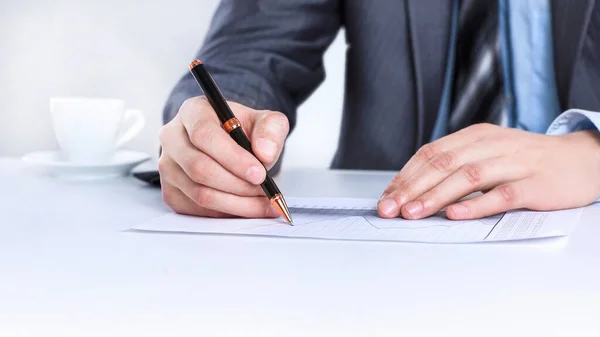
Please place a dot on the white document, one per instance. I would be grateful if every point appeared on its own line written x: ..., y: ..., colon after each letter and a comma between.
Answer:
x: 356, y: 219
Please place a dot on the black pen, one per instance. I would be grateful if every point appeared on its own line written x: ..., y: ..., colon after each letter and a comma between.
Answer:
x: 232, y: 126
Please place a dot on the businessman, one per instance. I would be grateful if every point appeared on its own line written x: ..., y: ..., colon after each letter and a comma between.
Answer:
x: 458, y: 96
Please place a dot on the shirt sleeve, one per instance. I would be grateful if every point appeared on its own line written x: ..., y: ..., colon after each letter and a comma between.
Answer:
x: 574, y: 120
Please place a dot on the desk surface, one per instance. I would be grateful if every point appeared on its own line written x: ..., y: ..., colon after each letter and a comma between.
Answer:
x: 68, y: 267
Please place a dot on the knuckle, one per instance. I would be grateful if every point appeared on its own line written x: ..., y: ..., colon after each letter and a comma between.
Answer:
x: 163, y: 164
x: 191, y: 109
x: 187, y: 106
x: 281, y: 120
x: 163, y: 134
x: 273, y: 125
x: 480, y: 127
x: 427, y: 151
x: 442, y: 162
x: 202, y: 134
x: 398, y: 179
x: 391, y: 188
x: 193, y: 103
x: 168, y: 197
x: 396, y: 182
x: 205, y: 197
x: 472, y: 173
x: 509, y: 194
x: 401, y: 197
x: 201, y: 170
x: 178, y: 208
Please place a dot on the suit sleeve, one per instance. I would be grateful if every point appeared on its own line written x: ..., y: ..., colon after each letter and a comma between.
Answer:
x: 265, y: 54
x: 584, y: 102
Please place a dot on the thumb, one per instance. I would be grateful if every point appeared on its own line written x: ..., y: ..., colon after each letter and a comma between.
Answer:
x: 268, y: 136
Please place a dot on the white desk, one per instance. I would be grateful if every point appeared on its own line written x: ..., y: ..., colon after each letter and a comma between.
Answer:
x: 67, y: 268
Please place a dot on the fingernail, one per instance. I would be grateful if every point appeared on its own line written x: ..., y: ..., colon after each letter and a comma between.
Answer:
x: 272, y: 212
x: 254, y: 175
x: 266, y: 147
x: 459, y: 210
x: 388, y: 207
x: 414, y: 208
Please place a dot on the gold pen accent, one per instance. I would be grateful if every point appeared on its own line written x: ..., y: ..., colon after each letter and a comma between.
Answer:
x: 279, y: 203
x: 195, y: 63
x: 231, y: 125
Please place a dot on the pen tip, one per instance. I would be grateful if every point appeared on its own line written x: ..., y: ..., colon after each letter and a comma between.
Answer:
x: 279, y: 203
x: 195, y: 63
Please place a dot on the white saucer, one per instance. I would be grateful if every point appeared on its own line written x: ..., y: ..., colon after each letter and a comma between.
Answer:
x: 120, y: 165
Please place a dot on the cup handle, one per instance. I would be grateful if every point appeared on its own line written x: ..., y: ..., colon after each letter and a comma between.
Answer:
x: 139, y: 121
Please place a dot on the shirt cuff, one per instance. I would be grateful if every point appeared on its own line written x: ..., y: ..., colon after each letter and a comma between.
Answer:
x: 574, y: 120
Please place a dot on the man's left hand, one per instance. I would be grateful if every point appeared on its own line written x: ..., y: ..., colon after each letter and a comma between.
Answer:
x: 515, y: 169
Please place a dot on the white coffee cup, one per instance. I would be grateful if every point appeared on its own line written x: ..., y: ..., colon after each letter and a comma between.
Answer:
x: 90, y: 130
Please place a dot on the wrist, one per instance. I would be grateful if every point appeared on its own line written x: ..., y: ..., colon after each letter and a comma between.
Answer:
x: 587, y: 143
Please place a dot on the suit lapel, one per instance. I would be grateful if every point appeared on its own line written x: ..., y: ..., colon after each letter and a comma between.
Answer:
x: 570, y: 19
x: 429, y: 26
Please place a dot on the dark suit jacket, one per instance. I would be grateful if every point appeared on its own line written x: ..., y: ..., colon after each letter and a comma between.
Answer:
x: 268, y: 54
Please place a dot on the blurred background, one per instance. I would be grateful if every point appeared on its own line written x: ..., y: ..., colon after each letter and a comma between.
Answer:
x: 134, y: 50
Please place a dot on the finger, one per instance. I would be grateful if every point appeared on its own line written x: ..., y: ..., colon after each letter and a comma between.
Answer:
x: 441, y: 167
x: 460, y: 138
x: 198, y: 166
x: 181, y: 204
x: 501, y: 199
x: 206, y: 134
x: 194, y: 107
x: 210, y: 198
x: 469, y: 178
x: 268, y: 136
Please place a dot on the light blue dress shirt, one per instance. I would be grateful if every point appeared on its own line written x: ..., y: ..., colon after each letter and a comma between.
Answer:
x: 532, y: 64
x: 528, y: 66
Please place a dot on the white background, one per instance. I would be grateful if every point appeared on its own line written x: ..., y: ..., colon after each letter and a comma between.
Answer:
x: 135, y: 50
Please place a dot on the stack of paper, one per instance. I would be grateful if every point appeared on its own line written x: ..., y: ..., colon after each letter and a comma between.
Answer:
x: 356, y: 219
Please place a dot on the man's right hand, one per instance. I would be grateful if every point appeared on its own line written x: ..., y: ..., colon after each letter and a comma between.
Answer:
x: 204, y: 172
